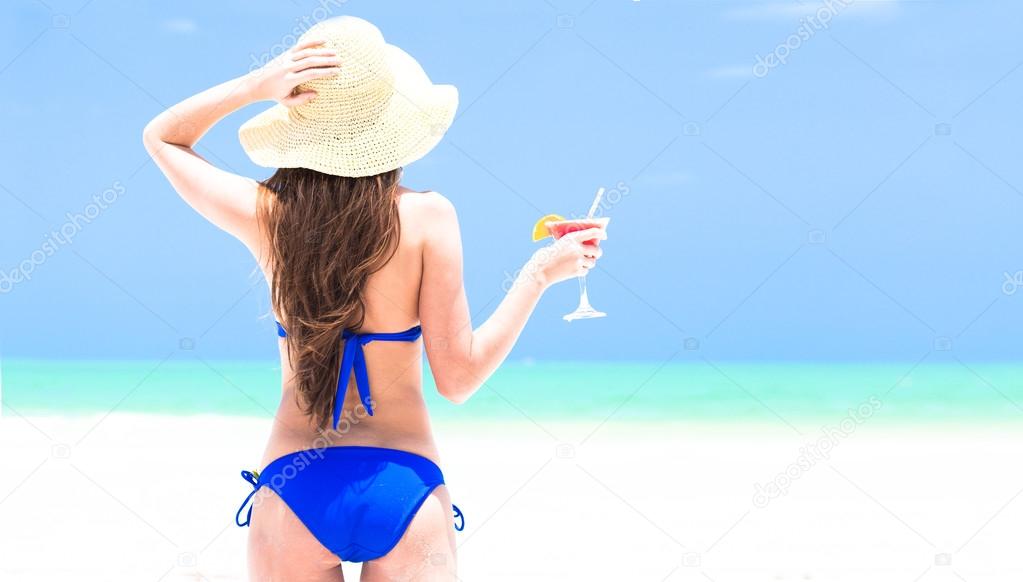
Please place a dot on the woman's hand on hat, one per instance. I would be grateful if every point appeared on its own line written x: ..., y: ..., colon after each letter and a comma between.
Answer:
x: 280, y: 79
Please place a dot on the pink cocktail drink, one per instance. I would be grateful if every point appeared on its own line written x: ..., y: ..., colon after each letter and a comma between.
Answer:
x: 560, y: 228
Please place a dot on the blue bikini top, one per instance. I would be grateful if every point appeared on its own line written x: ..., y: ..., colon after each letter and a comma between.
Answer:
x: 353, y: 358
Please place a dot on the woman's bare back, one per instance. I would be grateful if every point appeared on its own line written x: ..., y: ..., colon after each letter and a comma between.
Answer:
x: 400, y: 418
x: 399, y: 421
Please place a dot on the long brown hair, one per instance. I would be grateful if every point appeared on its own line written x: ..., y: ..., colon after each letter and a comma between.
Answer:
x: 327, y: 234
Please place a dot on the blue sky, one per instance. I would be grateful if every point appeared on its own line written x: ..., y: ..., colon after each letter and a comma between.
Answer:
x: 860, y: 201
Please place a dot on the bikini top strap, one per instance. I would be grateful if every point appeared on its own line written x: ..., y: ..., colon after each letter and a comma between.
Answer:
x: 353, y: 359
x: 409, y: 335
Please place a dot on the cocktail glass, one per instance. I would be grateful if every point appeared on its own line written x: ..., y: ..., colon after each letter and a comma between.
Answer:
x: 560, y: 228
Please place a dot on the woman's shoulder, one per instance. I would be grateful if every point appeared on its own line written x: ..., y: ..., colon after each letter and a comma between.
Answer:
x: 429, y: 203
x: 427, y: 217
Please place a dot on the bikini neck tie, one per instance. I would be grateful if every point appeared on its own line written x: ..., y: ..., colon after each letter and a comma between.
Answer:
x: 353, y: 358
x: 253, y: 479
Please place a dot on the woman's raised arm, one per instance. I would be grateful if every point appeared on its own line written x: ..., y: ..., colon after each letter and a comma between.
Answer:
x: 226, y: 199
x: 461, y: 359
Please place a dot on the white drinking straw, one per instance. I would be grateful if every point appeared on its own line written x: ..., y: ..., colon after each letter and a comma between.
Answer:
x: 596, y: 202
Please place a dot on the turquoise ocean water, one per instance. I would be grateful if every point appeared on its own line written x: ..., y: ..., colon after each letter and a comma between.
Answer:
x: 642, y: 391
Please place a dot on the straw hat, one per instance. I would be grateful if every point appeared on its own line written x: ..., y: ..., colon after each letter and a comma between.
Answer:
x: 381, y: 112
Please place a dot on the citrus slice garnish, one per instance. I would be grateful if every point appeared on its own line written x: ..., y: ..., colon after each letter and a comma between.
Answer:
x: 540, y: 231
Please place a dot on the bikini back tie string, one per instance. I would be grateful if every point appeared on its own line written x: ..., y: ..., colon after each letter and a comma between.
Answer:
x: 254, y: 481
x: 354, y: 359
x: 459, y: 516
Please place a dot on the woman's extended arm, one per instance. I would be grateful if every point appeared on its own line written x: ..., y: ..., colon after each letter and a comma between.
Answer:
x: 226, y: 199
x: 462, y: 359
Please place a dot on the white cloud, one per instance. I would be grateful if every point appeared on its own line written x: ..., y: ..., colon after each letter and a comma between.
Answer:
x: 180, y: 25
x: 794, y: 10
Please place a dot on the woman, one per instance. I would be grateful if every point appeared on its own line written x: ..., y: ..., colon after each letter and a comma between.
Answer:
x: 352, y: 257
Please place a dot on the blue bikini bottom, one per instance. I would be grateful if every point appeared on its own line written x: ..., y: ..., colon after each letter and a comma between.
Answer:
x: 357, y: 501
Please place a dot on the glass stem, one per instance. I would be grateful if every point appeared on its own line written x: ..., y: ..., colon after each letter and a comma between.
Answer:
x: 584, y: 300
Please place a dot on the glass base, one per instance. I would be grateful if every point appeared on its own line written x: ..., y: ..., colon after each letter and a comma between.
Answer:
x: 589, y: 313
x: 585, y: 310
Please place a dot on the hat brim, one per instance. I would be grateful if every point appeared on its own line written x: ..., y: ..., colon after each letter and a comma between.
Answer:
x: 411, y: 124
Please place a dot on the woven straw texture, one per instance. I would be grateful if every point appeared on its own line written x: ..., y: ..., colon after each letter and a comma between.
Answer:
x: 379, y: 113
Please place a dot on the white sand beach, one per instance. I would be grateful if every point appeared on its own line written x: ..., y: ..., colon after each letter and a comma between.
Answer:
x: 145, y: 497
